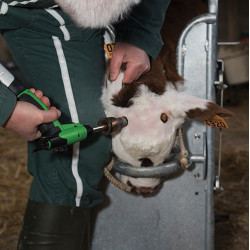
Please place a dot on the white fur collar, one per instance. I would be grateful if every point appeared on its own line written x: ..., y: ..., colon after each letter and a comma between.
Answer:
x: 96, y: 13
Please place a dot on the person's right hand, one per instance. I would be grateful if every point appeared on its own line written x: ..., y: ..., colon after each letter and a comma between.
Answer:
x: 26, y: 117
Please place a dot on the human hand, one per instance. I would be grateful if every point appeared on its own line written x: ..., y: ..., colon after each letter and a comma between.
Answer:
x: 26, y: 117
x: 137, y: 62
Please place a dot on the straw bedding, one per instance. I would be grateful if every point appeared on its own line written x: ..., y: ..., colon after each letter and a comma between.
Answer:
x: 14, y: 184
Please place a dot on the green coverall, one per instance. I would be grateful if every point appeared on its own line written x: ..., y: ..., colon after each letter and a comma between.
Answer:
x: 67, y: 63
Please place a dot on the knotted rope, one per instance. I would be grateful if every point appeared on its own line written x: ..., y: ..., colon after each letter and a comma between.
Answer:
x: 183, y: 156
x: 113, y: 179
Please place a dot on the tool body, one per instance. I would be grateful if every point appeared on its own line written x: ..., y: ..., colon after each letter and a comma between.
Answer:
x: 56, y: 135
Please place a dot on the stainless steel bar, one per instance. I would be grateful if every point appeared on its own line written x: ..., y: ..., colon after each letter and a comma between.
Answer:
x: 213, y: 6
x: 161, y: 170
x: 212, y: 37
x: 206, y: 18
x: 111, y: 32
x: 164, y: 169
x: 228, y: 43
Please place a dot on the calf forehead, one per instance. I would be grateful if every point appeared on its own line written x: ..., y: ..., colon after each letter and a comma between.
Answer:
x: 147, y: 103
x: 150, y: 130
x: 140, y: 119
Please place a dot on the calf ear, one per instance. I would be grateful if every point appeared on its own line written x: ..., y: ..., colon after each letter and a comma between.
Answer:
x: 210, y: 110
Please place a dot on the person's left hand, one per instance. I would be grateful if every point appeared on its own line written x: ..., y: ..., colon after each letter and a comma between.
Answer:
x: 137, y: 62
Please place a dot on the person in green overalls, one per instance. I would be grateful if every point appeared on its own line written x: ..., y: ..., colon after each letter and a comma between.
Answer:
x: 58, y: 46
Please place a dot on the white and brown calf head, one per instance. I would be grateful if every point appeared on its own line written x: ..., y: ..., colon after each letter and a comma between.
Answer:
x: 155, y: 109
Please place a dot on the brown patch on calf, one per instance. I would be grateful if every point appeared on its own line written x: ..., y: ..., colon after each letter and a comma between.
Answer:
x: 211, y: 110
x: 168, y: 59
x: 154, y: 79
x: 123, y: 98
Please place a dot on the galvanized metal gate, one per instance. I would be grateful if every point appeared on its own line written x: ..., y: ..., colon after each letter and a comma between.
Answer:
x: 181, y: 215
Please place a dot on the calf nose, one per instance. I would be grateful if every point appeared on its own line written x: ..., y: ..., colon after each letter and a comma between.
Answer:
x: 146, y: 162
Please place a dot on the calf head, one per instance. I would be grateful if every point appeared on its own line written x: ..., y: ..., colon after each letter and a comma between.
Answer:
x: 155, y: 109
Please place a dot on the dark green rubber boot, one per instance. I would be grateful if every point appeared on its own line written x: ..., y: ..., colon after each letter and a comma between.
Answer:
x: 52, y: 227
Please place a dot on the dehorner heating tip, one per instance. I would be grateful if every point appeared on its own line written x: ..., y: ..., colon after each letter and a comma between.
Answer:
x: 111, y: 125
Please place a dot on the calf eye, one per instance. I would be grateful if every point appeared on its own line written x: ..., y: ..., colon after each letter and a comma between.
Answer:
x: 164, y: 117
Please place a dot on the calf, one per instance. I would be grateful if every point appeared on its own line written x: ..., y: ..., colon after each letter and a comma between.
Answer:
x: 155, y: 109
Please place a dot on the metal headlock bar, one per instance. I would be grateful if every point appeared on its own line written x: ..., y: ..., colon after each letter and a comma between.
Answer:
x: 170, y: 167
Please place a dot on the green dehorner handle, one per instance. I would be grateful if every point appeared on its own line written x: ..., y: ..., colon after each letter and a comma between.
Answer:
x: 26, y: 95
x: 55, y: 134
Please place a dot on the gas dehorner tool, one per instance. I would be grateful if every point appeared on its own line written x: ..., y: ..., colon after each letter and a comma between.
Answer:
x: 56, y: 135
